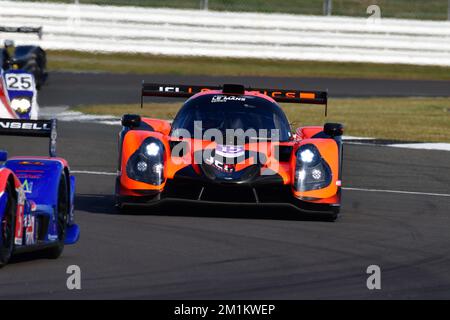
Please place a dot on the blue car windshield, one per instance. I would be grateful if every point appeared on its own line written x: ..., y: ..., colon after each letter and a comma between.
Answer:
x: 224, y: 112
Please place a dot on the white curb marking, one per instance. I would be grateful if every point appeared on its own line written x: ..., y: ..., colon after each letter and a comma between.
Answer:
x: 423, y: 146
x: 63, y: 113
x: 356, y: 138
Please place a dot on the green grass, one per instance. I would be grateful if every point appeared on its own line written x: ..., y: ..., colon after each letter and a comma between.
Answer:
x: 408, y: 9
x: 151, y: 64
x: 408, y: 119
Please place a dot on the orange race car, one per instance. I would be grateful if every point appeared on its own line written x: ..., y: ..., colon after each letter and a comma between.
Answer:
x: 230, y: 145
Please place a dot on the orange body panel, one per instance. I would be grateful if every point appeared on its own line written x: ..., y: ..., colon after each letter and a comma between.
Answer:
x: 162, y: 126
x: 329, y: 152
x: 308, y: 132
x: 132, y: 141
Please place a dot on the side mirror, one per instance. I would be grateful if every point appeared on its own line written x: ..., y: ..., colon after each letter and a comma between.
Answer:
x: 333, y: 129
x: 131, y: 120
x: 3, y: 155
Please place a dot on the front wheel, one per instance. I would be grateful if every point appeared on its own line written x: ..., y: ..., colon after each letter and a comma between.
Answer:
x: 123, y: 209
x: 332, y: 217
x: 62, y: 216
x: 7, y: 227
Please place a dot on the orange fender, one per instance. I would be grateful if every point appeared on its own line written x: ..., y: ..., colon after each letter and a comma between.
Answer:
x: 162, y: 126
x: 132, y: 141
x: 329, y: 151
x: 308, y: 132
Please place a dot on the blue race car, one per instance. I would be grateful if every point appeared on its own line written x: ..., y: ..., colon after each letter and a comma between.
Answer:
x: 36, y: 196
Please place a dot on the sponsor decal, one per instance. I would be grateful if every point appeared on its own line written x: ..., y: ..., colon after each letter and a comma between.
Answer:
x: 35, y: 163
x: 230, y: 151
x: 19, y: 225
x: 28, y: 176
x: 24, y: 125
x: 29, y: 233
x: 18, y: 240
x: 27, y: 186
x: 289, y: 94
x: 226, y: 98
x: 224, y: 167
x: 169, y: 89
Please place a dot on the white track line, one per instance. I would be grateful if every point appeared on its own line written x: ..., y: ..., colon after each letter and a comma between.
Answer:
x: 348, y: 189
x: 94, y: 172
x: 399, y: 191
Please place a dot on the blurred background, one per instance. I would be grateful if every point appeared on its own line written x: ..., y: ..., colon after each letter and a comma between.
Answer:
x: 402, y: 9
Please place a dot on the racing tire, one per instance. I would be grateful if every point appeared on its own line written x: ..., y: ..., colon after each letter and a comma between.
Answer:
x: 62, y: 217
x: 7, y: 227
x: 124, y: 209
x: 331, y: 217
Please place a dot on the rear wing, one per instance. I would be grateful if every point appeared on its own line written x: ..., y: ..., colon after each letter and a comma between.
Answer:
x: 37, y: 30
x: 279, y: 95
x: 31, y: 128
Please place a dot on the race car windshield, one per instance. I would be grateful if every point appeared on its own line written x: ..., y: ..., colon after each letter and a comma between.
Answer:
x: 225, y: 112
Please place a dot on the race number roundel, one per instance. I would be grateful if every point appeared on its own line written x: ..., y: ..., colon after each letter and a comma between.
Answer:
x: 19, y: 81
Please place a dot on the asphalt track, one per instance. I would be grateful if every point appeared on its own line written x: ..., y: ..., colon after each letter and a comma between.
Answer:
x: 193, y: 253
x: 103, y: 88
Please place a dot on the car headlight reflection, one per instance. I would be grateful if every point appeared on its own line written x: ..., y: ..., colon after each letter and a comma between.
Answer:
x: 141, y: 166
x: 158, y: 168
x: 152, y: 149
x: 316, y: 174
x: 307, y: 156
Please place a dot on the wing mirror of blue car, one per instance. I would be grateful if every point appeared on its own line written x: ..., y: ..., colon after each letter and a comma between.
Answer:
x: 333, y: 129
x: 3, y: 155
x: 131, y: 120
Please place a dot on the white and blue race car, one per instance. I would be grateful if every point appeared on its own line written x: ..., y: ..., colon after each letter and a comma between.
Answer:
x: 18, y: 95
x: 22, y: 73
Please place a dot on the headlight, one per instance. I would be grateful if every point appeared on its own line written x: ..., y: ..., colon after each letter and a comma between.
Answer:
x: 311, y: 171
x: 307, y: 156
x: 152, y: 149
x: 147, y: 163
x: 141, y: 166
x: 21, y: 105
